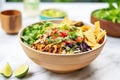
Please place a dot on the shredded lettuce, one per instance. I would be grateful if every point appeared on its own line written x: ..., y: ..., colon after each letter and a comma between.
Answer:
x: 32, y: 33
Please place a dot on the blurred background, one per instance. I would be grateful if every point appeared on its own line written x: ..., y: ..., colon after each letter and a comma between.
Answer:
x: 62, y: 0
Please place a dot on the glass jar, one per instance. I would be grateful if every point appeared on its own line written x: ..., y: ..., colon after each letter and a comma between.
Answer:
x: 31, y: 7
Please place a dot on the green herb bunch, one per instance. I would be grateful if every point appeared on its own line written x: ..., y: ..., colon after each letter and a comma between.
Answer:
x: 112, y: 13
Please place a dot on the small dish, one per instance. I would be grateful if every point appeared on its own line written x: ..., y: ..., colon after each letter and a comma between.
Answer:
x: 48, y: 14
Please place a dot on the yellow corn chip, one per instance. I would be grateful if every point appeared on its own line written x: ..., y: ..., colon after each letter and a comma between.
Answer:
x: 101, y: 35
x: 85, y: 28
x: 95, y: 46
x: 90, y: 43
x: 97, y: 28
x: 90, y: 36
x: 67, y: 21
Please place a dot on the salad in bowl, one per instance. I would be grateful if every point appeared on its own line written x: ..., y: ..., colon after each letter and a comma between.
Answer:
x: 62, y: 46
x: 67, y: 37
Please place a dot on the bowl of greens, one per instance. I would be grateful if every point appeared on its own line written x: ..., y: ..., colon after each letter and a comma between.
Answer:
x: 109, y: 18
x: 62, y: 46
x: 51, y: 13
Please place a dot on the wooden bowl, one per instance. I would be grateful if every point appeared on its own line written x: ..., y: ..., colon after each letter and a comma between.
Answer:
x: 11, y: 21
x: 113, y: 29
x: 61, y: 63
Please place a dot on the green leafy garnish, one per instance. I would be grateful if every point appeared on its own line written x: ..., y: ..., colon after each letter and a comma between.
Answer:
x: 50, y: 40
x: 73, y: 28
x: 68, y: 48
x: 112, y: 13
x: 59, y: 39
x: 33, y: 32
x: 73, y: 35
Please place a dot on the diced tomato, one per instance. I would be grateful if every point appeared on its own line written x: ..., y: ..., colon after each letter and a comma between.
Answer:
x: 63, y: 33
x: 79, y: 39
x: 60, y: 34
x: 54, y: 37
x: 54, y: 31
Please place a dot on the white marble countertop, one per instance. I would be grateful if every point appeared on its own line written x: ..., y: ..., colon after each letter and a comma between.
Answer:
x: 105, y: 67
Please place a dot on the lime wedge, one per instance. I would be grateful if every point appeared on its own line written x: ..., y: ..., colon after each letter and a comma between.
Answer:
x: 7, y: 70
x: 21, y: 71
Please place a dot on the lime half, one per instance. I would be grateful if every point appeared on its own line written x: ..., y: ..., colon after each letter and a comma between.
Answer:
x: 7, y: 70
x: 21, y: 71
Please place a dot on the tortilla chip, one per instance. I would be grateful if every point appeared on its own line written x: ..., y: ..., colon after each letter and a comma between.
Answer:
x: 101, y: 35
x: 67, y: 21
x: 97, y: 28
x: 90, y: 43
x: 95, y: 46
x: 85, y: 28
x: 90, y: 36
